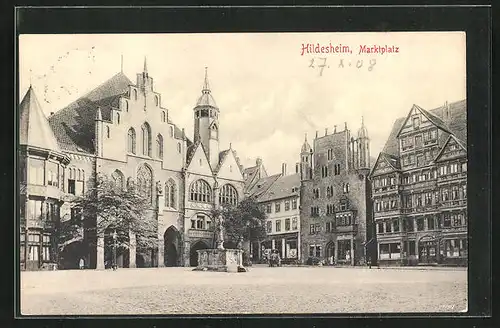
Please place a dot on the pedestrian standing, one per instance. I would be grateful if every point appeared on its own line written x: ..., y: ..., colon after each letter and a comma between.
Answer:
x: 82, y: 264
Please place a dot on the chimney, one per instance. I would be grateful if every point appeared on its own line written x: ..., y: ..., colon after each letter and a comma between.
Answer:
x: 334, y: 129
x: 316, y: 134
x: 345, y: 126
x: 258, y: 161
x: 283, y: 169
x: 51, y: 113
x: 326, y: 131
x: 297, y: 167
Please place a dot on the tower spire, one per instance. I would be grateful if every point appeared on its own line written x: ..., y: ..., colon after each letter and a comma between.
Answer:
x: 145, y: 66
x: 206, y: 86
x: 121, y: 64
x: 305, y: 137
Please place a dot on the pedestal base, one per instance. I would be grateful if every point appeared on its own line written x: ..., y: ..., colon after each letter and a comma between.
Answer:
x: 220, y: 260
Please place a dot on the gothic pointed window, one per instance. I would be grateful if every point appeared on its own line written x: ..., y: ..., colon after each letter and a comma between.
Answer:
x: 146, y: 139
x: 145, y: 183
x: 214, y: 132
x: 200, y: 191
x: 228, y: 195
x: 135, y: 94
x: 118, y: 180
x: 170, y: 194
x: 159, y: 146
x: 131, y: 141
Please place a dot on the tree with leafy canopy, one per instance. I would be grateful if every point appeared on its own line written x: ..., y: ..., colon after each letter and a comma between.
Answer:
x: 106, y: 207
x: 242, y: 223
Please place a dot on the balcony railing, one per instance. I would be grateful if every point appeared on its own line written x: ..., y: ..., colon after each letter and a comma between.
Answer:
x: 452, y: 176
x: 47, y: 191
x: 200, y: 233
x: 346, y: 228
x: 385, y: 189
x: 453, y: 203
x: 38, y: 223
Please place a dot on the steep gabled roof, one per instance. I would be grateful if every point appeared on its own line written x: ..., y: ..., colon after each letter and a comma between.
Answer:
x: 262, y: 185
x: 392, y: 160
x: 457, y: 125
x: 34, y: 129
x: 222, y: 157
x: 450, y: 137
x: 284, y: 186
x: 74, y: 126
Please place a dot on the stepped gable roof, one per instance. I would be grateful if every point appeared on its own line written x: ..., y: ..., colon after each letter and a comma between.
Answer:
x: 457, y: 125
x: 34, y: 129
x: 262, y: 185
x: 283, y: 187
x: 74, y: 125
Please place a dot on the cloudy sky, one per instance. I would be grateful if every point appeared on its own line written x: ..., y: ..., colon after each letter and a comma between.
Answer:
x: 268, y: 92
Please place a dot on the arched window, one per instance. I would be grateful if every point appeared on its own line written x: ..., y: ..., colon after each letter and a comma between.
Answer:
x: 228, y: 195
x: 146, y: 139
x: 126, y: 105
x: 118, y: 179
x: 107, y: 131
x: 171, y: 131
x: 200, y: 192
x: 145, y: 183
x: 135, y: 94
x: 159, y: 146
x: 131, y: 141
x: 179, y: 147
x: 157, y: 101
x: 170, y: 194
x: 118, y: 118
x: 163, y: 117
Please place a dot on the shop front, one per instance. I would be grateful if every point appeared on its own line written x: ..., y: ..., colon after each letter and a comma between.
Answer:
x: 287, y: 246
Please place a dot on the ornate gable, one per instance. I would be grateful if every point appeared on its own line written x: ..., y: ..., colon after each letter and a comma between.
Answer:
x: 229, y: 168
x: 198, y: 161
x: 385, y: 164
x: 452, y: 149
x: 419, y: 119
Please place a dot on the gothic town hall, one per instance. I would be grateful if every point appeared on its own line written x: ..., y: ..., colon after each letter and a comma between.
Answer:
x: 120, y: 130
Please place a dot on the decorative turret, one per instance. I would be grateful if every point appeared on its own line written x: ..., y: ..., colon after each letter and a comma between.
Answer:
x: 306, y: 157
x: 206, y: 122
x: 363, y: 147
x: 99, y: 132
x: 144, y: 82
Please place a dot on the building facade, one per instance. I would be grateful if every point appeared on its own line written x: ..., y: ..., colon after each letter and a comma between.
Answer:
x: 42, y: 167
x: 121, y: 131
x: 279, y: 197
x: 335, y: 202
x: 419, y: 185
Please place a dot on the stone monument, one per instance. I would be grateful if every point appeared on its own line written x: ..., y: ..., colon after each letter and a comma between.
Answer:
x: 220, y: 259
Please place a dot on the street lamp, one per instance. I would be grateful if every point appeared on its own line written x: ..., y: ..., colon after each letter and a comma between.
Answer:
x: 114, y: 249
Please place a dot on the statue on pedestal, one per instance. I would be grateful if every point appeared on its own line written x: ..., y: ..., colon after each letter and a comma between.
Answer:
x: 220, y: 233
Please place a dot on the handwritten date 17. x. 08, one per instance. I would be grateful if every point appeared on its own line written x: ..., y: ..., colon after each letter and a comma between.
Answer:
x: 321, y: 64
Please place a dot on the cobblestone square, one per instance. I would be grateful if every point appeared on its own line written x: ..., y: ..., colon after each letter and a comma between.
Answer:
x: 261, y: 290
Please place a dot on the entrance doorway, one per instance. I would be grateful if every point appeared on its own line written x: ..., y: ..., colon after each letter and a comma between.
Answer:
x: 193, y: 256
x: 171, y: 245
x: 427, y: 252
x: 330, y: 251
